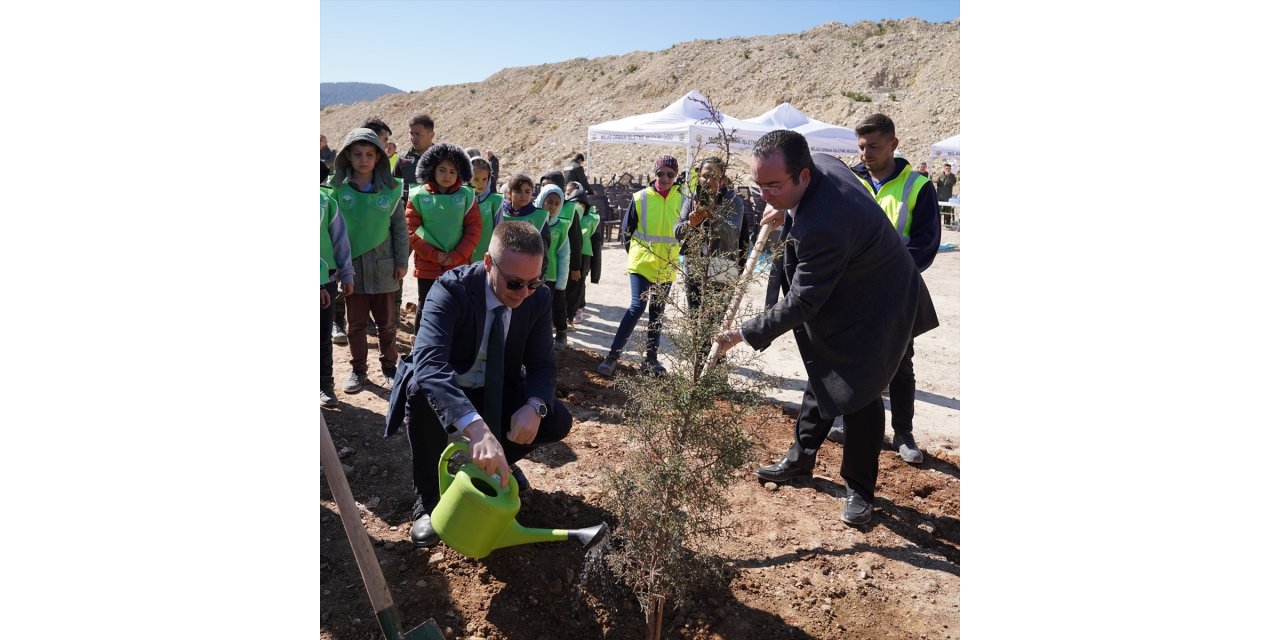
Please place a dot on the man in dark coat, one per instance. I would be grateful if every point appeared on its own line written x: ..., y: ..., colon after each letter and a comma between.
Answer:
x: 453, y: 369
x: 853, y: 299
x: 575, y: 173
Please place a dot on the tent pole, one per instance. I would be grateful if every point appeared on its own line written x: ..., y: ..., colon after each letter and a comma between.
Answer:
x: 588, y: 167
x: 688, y: 160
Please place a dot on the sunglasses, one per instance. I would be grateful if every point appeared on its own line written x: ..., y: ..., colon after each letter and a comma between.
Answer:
x: 514, y: 285
x: 666, y: 174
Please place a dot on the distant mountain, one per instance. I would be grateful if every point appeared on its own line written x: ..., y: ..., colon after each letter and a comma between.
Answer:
x: 352, y: 92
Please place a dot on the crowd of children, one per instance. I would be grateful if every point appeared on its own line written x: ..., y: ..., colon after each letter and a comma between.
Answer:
x: 440, y: 203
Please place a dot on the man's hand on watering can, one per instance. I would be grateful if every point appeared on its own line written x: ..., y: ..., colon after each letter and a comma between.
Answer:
x: 524, y: 425
x: 486, y: 451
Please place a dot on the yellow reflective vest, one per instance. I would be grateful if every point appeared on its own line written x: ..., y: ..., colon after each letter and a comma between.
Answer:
x: 890, y: 198
x: 653, y: 251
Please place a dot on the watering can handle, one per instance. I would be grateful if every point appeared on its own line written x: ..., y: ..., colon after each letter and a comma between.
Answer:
x: 446, y: 478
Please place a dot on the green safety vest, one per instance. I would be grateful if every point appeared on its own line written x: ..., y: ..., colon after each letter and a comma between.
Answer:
x: 442, y: 215
x: 488, y: 209
x: 327, y: 210
x: 590, y: 220
x: 890, y: 198
x: 538, y: 218
x: 654, y: 251
x: 559, y: 231
x: 367, y: 215
x: 392, y: 161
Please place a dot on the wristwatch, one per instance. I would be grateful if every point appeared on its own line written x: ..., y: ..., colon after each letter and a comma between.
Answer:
x: 538, y: 406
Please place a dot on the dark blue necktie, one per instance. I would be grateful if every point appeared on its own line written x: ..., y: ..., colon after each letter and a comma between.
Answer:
x: 493, y: 370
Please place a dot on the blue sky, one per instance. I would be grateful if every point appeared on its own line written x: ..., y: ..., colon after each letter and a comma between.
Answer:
x: 413, y: 45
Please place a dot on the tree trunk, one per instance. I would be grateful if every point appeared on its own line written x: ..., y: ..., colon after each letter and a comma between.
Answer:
x: 654, y: 618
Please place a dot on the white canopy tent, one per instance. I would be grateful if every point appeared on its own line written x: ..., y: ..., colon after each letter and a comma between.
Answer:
x: 949, y: 148
x: 687, y: 123
x: 822, y: 137
x: 684, y: 122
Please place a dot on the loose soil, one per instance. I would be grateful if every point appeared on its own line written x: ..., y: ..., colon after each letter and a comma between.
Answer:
x: 793, y: 569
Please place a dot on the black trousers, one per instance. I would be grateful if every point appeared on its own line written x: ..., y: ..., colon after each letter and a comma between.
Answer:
x: 902, y: 393
x: 559, y: 309
x: 573, y: 291
x: 427, y: 439
x: 326, y: 336
x: 863, y: 431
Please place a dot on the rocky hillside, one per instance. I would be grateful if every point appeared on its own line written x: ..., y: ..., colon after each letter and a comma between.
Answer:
x: 536, y: 118
x: 351, y: 92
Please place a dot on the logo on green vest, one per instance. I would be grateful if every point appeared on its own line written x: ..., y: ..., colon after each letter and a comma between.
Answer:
x: 384, y: 202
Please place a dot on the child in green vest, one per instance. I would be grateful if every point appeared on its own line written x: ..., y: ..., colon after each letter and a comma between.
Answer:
x: 335, y: 267
x: 444, y: 219
x: 369, y: 202
x: 489, y: 202
x: 559, y: 220
x: 588, y: 260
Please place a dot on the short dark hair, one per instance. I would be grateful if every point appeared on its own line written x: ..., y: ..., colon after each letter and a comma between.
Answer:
x: 877, y: 122
x: 517, y: 236
x: 579, y: 157
x: 377, y: 125
x: 714, y: 161
x: 518, y: 179
x: 794, y: 149
x: 423, y: 120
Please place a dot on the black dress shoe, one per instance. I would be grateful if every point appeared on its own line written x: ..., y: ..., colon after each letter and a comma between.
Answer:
x: 785, y: 470
x: 856, y: 509
x: 423, y: 534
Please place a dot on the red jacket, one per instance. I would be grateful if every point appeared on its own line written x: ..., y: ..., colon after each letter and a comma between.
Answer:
x: 426, y: 258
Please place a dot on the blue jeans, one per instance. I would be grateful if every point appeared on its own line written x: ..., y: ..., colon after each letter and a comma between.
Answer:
x: 640, y: 286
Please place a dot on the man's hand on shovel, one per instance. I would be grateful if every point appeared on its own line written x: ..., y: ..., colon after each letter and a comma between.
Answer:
x: 727, y: 339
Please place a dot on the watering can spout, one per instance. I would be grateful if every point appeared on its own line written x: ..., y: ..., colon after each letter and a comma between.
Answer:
x: 589, y: 535
x: 519, y: 534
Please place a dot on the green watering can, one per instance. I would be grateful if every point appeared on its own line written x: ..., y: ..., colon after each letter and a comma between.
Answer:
x: 476, y: 515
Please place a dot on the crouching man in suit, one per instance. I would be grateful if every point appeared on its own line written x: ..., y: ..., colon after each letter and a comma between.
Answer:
x: 481, y: 325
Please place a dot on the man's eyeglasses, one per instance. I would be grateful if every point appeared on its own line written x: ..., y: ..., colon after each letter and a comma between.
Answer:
x: 515, y: 285
x: 667, y: 174
x: 773, y: 189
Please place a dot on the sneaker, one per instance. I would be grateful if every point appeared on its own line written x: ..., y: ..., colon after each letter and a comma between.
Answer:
x: 606, y: 368
x: 856, y: 509
x: 389, y: 375
x: 653, y: 367
x: 326, y: 398
x: 339, y: 336
x: 372, y: 330
x: 354, y: 381
x: 562, y: 341
x: 906, y: 446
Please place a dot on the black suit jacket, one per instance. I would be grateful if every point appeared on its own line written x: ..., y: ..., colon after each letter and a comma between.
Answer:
x: 449, y: 337
x: 853, y: 293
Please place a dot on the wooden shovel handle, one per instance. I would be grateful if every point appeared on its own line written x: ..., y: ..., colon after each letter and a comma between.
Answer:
x: 739, y: 290
x: 374, y: 583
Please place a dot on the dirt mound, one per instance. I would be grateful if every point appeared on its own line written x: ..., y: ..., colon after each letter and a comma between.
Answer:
x: 536, y: 118
x: 794, y: 570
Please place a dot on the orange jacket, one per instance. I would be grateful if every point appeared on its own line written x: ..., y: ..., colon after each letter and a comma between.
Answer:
x: 426, y: 263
